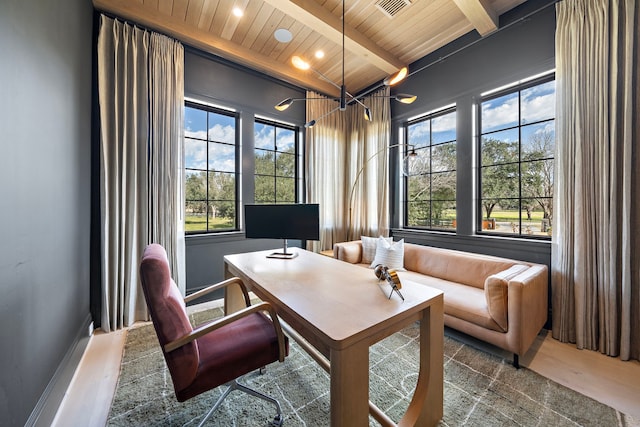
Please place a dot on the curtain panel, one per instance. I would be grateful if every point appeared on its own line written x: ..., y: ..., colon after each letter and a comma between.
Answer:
x: 325, y: 167
x: 368, y: 143
x: 141, y: 96
x: 347, y: 168
x: 595, y: 272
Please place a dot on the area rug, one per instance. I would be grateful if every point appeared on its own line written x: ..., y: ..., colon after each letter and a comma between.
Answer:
x: 480, y: 389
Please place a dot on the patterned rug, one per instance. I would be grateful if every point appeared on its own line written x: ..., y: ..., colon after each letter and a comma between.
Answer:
x: 480, y: 389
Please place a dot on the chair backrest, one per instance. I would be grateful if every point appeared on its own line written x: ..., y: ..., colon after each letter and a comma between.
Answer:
x: 169, y: 314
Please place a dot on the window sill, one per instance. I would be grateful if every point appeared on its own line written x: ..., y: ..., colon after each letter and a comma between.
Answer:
x: 206, y: 238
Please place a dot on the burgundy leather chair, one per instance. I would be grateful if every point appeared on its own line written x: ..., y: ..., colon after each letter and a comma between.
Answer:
x: 214, y: 353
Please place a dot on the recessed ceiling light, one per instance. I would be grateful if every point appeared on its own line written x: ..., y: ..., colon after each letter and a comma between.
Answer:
x: 238, y: 12
x: 283, y: 35
x: 319, y: 54
x: 300, y: 63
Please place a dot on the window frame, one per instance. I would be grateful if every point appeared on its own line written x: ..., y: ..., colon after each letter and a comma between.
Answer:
x: 429, y: 117
x: 296, y: 176
x: 236, y: 173
x: 511, y: 89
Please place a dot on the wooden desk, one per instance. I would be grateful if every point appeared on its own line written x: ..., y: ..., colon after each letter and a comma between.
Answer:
x: 342, y: 310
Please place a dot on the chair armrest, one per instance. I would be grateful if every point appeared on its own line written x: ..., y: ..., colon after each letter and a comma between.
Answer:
x: 216, y: 324
x: 216, y: 286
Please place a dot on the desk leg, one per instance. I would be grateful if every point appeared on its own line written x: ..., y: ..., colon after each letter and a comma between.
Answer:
x: 350, y: 387
x: 426, y: 407
x: 233, y: 296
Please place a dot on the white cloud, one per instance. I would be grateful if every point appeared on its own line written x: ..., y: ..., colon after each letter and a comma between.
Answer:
x: 500, y: 111
x: 195, y: 153
x: 419, y: 131
x: 221, y: 133
x: 537, y: 103
x: 446, y: 123
x: 285, y: 140
x: 538, y: 107
x: 264, y: 138
x: 200, y: 134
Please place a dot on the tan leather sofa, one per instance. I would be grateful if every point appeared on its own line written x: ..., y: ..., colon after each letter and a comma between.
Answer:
x: 497, y: 300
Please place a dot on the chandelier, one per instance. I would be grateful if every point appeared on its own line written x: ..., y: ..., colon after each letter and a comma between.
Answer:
x: 345, y: 97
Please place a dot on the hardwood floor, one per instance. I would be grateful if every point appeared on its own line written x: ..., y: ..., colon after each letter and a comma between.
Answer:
x: 600, y: 377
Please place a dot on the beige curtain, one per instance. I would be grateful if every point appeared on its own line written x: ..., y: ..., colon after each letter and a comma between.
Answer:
x: 341, y: 147
x: 326, y: 151
x: 595, y: 272
x: 141, y: 95
x: 369, y: 167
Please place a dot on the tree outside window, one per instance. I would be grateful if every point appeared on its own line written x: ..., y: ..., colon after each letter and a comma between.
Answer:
x: 210, y: 155
x: 517, y: 143
x: 275, y: 162
x: 431, y: 190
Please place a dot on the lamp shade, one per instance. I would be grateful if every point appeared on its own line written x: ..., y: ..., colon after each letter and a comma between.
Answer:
x: 367, y: 114
x: 397, y: 77
x: 283, y: 105
x: 405, y: 98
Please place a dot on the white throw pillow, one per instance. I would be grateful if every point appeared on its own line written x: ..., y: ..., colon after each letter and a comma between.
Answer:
x: 369, y: 245
x: 389, y: 254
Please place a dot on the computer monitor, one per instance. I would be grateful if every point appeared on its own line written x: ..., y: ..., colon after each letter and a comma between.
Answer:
x: 299, y: 221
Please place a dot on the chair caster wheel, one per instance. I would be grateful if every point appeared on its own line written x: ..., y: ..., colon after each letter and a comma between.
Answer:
x: 277, y: 421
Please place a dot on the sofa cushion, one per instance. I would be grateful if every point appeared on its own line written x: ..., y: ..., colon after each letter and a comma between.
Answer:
x: 495, y: 290
x: 349, y: 252
x: 389, y: 254
x: 462, y: 301
x: 455, y: 266
x: 369, y: 246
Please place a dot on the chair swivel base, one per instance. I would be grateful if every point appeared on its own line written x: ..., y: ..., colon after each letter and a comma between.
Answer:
x: 235, y: 385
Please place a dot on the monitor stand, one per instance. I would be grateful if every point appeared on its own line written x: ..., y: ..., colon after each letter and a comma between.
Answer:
x: 284, y: 254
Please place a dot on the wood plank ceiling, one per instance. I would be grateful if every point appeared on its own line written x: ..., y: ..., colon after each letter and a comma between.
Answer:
x: 380, y: 37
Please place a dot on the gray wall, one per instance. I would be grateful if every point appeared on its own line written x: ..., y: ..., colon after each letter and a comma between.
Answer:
x: 459, y: 73
x: 45, y: 131
x: 209, y: 79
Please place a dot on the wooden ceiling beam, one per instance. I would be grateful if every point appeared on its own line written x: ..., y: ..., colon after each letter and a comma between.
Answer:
x: 480, y: 14
x: 201, y: 39
x: 314, y: 16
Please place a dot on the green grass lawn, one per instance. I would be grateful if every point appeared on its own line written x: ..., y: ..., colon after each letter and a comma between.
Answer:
x: 514, y: 216
x: 199, y: 223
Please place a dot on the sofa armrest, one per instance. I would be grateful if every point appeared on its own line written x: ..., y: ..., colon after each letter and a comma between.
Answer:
x: 528, y: 302
x: 348, y: 251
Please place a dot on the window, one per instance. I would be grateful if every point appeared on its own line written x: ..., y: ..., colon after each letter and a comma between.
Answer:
x: 431, y: 184
x: 276, y: 161
x: 517, y: 140
x: 211, y: 169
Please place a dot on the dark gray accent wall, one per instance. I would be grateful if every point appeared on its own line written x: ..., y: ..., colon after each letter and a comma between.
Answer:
x: 214, y: 81
x: 45, y: 131
x: 458, y: 74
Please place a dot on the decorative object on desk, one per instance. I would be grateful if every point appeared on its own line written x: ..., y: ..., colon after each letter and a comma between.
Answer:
x: 282, y: 221
x: 390, y: 254
x: 303, y: 65
x: 391, y: 276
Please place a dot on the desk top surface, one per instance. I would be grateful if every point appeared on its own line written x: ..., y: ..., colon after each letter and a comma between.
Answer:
x: 342, y: 302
